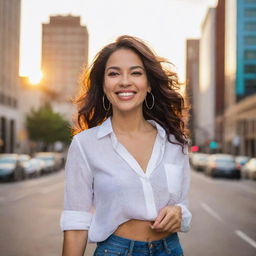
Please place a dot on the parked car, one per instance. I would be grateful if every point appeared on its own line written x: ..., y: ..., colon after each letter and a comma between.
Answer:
x: 52, y: 161
x: 242, y: 160
x: 11, y: 167
x: 199, y: 161
x: 249, y: 169
x: 222, y: 165
x: 34, y: 167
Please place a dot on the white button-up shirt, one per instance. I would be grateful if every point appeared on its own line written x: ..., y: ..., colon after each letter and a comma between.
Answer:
x: 105, y: 186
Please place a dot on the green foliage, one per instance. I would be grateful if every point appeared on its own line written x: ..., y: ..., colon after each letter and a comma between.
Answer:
x: 47, y: 126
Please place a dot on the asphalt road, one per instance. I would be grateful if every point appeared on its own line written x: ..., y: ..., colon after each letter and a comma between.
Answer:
x: 223, y: 211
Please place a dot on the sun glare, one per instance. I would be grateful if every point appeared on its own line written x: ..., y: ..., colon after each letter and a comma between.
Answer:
x: 35, y: 78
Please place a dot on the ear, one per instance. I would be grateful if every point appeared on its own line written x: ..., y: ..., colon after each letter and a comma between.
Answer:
x: 149, y: 88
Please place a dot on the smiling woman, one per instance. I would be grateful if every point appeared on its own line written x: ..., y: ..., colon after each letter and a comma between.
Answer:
x: 127, y: 169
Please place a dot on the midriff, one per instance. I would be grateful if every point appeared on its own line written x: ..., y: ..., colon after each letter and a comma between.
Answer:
x: 139, y: 230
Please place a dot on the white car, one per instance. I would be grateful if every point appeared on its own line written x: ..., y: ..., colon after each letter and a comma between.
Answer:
x: 249, y: 169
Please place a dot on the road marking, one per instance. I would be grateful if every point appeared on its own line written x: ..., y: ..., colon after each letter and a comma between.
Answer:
x: 246, y: 238
x: 20, y: 196
x: 246, y: 189
x: 204, y: 178
x: 208, y: 209
x: 52, y: 188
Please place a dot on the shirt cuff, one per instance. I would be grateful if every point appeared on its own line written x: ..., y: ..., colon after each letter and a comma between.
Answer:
x: 186, y: 218
x: 75, y: 220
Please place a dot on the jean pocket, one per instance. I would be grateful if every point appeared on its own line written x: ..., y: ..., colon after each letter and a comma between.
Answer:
x: 109, y: 251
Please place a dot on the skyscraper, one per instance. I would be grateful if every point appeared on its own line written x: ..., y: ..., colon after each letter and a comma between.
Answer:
x: 9, y: 72
x: 192, y: 86
x: 64, y: 53
x: 240, y: 77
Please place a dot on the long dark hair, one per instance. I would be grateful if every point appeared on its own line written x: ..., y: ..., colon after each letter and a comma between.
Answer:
x: 169, y: 109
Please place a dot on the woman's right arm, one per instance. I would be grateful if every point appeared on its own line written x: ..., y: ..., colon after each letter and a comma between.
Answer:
x: 74, y: 242
x: 78, y: 197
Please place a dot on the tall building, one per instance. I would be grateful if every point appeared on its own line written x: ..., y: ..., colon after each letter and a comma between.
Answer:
x: 192, y: 86
x: 219, y: 71
x: 64, y: 54
x: 206, y: 98
x: 9, y: 73
x: 240, y: 77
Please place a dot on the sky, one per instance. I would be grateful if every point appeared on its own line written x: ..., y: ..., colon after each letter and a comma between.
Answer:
x: 163, y: 24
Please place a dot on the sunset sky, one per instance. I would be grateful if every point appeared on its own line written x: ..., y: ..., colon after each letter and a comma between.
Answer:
x: 163, y: 24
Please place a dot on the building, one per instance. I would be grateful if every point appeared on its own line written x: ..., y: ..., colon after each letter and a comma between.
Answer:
x: 64, y: 54
x: 192, y: 86
x: 219, y: 71
x: 9, y: 74
x: 205, y: 126
x: 240, y: 77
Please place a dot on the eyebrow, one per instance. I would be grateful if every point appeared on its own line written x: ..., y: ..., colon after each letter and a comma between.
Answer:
x: 131, y: 68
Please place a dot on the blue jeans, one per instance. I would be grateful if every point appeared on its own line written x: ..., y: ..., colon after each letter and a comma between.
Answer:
x: 116, y: 245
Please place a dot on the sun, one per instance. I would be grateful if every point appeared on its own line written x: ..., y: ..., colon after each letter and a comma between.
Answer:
x: 35, y: 78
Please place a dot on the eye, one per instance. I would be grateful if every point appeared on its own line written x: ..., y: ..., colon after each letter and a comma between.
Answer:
x: 113, y: 74
x: 137, y: 73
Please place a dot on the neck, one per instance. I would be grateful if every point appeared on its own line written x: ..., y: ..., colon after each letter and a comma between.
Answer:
x: 129, y: 122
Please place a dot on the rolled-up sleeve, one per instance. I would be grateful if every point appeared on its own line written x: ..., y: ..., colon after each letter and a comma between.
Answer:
x: 184, y: 202
x: 78, y: 190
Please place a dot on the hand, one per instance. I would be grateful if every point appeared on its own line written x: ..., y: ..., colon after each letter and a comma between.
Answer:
x: 168, y: 219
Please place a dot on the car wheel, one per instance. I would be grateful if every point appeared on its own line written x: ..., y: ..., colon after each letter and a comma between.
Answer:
x: 17, y: 175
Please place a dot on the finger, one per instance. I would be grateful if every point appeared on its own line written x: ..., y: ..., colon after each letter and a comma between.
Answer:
x: 160, y: 217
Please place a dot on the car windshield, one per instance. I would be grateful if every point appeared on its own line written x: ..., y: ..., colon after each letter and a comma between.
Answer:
x: 7, y: 160
x: 45, y: 158
x: 225, y: 160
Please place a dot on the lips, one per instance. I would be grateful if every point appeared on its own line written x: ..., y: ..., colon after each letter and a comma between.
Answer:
x: 125, y: 95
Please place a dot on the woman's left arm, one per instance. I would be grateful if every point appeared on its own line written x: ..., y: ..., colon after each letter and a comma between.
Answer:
x: 175, y: 218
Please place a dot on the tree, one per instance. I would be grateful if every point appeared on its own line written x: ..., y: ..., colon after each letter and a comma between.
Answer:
x: 47, y: 127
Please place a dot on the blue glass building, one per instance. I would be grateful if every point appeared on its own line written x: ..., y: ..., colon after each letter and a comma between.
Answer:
x: 246, y: 48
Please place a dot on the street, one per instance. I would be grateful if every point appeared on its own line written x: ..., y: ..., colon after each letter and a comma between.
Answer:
x: 223, y: 217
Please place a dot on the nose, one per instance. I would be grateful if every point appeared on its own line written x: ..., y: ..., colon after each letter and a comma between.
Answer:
x: 125, y: 81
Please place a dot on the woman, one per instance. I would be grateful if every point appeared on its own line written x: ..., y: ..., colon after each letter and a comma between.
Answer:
x: 127, y: 170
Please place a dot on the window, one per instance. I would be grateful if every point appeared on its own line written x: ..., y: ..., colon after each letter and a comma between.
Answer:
x: 250, y: 69
x: 250, y: 12
x: 250, y: 54
x: 250, y: 86
x: 250, y: 40
x: 250, y: 26
x: 250, y: 1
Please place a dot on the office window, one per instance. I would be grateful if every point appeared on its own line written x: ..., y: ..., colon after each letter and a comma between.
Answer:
x: 250, y: 40
x: 250, y: 12
x: 250, y: 26
x: 250, y: 86
x: 250, y: 54
x: 250, y: 69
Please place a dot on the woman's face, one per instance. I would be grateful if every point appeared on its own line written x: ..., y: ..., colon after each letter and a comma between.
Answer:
x: 125, y: 81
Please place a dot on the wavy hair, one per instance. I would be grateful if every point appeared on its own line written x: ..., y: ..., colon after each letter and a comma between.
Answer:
x: 169, y: 109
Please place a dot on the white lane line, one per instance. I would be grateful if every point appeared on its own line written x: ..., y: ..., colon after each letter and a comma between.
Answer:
x: 52, y: 188
x: 208, y: 209
x: 247, y: 189
x: 246, y: 238
x: 204, y: 178
x: 20, y: 197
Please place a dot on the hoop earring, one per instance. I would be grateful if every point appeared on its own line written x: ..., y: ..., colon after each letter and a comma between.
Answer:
x: 153, y: 99
x: 103, y: 101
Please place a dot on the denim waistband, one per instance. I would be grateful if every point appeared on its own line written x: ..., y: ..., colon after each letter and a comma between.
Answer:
x: 125, y: 242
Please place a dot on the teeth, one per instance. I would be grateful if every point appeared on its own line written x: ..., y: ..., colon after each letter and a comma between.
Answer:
x: 124, y: 94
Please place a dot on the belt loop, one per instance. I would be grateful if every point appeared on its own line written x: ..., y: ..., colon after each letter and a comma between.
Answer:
x: 166, y: 246
x: 131, y: 248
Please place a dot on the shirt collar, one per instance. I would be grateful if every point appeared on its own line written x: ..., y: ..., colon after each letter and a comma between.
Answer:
x: 106, y: 128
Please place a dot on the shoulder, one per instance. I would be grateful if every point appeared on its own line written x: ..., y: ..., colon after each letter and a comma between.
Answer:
x: 86, y: 135
x: 174, y: 143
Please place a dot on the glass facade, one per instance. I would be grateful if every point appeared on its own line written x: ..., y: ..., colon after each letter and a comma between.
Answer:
x: 246, y: 48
